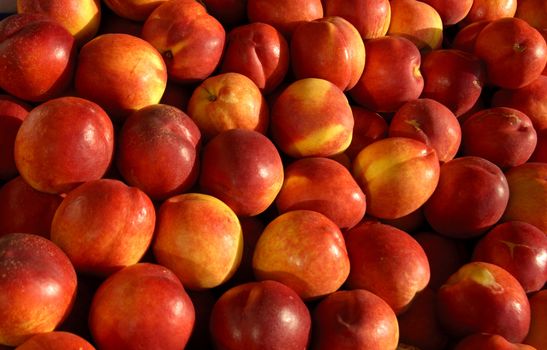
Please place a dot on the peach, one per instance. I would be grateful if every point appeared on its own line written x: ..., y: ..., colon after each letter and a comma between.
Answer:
x: 470, y: 198
x: 338, y: 51
x: 417, y: 21
x: 370, y: 17
x: 143, y: 305
x: 528, y: 198
x: 504, y: 136
x: 479, y: 341
x: 228, y: 101
x: 388, y: 262
x: 419, y: 325
x: 120, y: 72
x: 466, y: 37
x: 430, y: 122
x: 515, y: 53
x: 518, y: 247
x: 260, y: 315
x: 12, y: 113
x: 26, y: 210
x: 199, y: 238
x: 397, y: 175
x: 311, y: 118
x: 490, y: 10
x: 368, y: 127
x: 284, y: 15
x: 354, y: 319
x: 308, y: 185
x: 38, y: 286
x: 409, y: 223
x: 243, y: 169
x: 80, y: 18
x: 445, y: 255
x: 189, y: 39
x: 258, y: 51
x: 62, y: 143
x: 103, y: 226
x: 451, y: 11
x: 37, y: 57
x: 530, y: 99
x: 533, y: 11
x: 392, y: 75
x: 56, y: 340
x: 135, y: 10
x: 454, y: 78
x: 304, y: 250
x: 158, y: 151
x: 483, y: 297
x: 538, y: 307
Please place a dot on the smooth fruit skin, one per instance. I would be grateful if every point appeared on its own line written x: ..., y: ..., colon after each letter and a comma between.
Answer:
x: 538, y: 306
x: 370, y: 17
x: 480, y: 341
x: 37, y: 287
x: 470, y: 198
x: 354, y: 319
x: 490, y: 10
x: 135, y: 10
x: 56, y: 340
x: 451, y: 11
x: 483, y: 297
x: 141, y: 306
x: 12, y: 113
x: 518, y: 247
x: 36, y: 57
x: 104, y: 225
x: 64, y: 142
x: 304, y: 250
x: 388, y: 262
x: 260, y: 315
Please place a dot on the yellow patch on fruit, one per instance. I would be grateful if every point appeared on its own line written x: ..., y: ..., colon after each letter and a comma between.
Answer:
x: 310, y: 89
x: 476, y: 273
x: 321, y: 142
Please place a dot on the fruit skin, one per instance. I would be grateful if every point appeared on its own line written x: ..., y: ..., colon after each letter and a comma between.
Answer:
x: 64, y: 142
x: 530, y: 100
x: 158, y: 151
x: 56, y: 340
x: 430, y: 122
x: 311, y: 118
x: 189, y: 39
x: 12, y: 113
x: 388, y: 262
x: 37, y: 57
x: 515, y: 53
x: 479, y: 341
x: 483, y: 297
x: 368, y: 127
x: 397, y: 175
x: 370, y: 17
x: 533, y: 11
x: 135, y: 10
x: 258, y: 51
x: 490, y: 10
x: 504, y: 136
x: 354, y: 319
x: 417, y: 21
x: 141, y: 306
x: 391, y: 76
x: 38, y: 285
x: 467, y: 211
x: 528, y: 198
x: 104, y: 225
x: 304, y: 250
x: 80, y: 18
x: 228, y: 101
x: 339, y: 51
x: 243, y: 169
x: 308, y: 185
x: 454, y: 78
x: 284, y: 15
x: 120, y: 72
x: 451, y: 11
x: 260, y: 315
x: 26, y: 210
x: 518, y: 247
x: 199, y: 238
x: 538, y: 307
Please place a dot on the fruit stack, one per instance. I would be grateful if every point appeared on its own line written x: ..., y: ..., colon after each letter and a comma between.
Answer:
x: 273, y: 174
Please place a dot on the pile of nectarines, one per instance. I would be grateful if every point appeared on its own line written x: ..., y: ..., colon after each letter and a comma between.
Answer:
x: 273, y: 174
